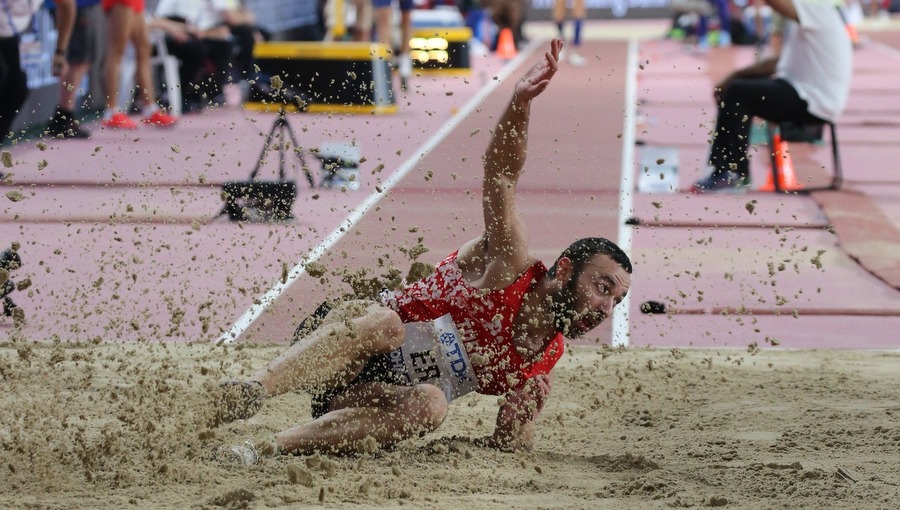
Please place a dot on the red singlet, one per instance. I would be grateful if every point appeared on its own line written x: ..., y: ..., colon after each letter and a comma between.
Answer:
x: 484, y: 319
x: 135, y: 5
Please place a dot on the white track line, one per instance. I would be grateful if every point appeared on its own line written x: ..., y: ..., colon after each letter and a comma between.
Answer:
x: 620, y: 326
x: 253, y: 313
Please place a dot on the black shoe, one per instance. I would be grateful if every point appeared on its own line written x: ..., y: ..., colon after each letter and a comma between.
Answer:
x: 64, y: 125
x: 727, y: 181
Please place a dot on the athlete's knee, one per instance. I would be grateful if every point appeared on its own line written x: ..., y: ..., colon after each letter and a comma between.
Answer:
x: 386, y: 328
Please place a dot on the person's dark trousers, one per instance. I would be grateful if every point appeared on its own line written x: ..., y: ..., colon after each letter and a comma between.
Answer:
x: 194, y: 73
x: 190, y: 54
x: 743, y: 99
x: 13, y: 84
x: 244, y: 41
x: 219, y: 53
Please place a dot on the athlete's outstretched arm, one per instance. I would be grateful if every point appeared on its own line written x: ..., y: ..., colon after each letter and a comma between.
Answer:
x: 504, y: 236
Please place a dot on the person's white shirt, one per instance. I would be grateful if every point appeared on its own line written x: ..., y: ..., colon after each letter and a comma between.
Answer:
x: 15, y: 16
x: 203, y: 14
x: 817, y: 58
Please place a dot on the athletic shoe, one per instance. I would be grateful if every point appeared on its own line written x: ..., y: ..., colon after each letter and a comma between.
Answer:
x: 238, y: 400
x: 576, y: 60
x: 119, y: 121
x: 404, y: 65
x: 62, y: 125
x: 240, y: 454
x: 727, y: 181
x: 160, y: 118
x: 724, y: 39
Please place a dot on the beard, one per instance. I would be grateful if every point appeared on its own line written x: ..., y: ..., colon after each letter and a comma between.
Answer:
x: 562, y: 306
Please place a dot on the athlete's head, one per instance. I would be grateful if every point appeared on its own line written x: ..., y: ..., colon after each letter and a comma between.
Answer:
x: 597, y: 276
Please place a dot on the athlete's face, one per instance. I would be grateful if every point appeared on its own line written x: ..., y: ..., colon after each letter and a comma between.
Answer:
x: 589, y: 296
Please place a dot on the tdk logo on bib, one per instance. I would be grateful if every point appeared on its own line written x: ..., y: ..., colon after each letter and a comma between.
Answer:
x: 454, y: 353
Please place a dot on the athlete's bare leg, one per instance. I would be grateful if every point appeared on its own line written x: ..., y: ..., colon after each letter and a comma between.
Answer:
x: 404, y: 63
x: 333, y: 354
x: 384, y: 25
x: 363, y: 28
x: 329, y: 357
x: 140, y: 38
x: 386, y: 413
x: 118, y: 28
x: 405, y: 30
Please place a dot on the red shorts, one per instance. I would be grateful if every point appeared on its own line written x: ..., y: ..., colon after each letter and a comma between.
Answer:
x: 135, y: 5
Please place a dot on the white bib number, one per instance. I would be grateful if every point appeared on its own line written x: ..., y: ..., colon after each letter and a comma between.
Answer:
x: 433, y: 353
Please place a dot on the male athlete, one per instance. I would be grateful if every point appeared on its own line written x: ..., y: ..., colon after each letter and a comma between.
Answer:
x: 491, y: 319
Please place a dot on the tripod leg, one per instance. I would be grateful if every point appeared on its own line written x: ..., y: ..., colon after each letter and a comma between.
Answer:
x: 277, y: 126
x: 309, y: 177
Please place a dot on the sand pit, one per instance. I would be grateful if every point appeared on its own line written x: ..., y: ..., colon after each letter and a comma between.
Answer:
x: 118, y: 426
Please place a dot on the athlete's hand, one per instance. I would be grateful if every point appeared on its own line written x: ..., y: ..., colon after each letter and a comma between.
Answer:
x: 720, y: 87
x: 59, y: 65
x: 515, y: 420
x: 538, y: 77
x: 537, y: 390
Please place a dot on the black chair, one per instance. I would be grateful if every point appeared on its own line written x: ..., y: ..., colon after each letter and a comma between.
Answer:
x: 803, y: 133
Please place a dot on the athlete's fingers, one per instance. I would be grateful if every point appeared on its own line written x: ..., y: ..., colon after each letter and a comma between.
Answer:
x: 555, y: 47
x: 552, y: 63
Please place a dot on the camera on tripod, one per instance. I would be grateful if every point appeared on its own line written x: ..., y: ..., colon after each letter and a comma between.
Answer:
x: 10, y: 261
x: 267, y: 200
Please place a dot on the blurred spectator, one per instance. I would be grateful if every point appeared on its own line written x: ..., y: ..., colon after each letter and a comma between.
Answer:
x: 15, y: 18
x: 808, y: 82
x: 81, y: 54
x: 291, y: 20
x: 560, y: 11
x: 242, y: 24
x: 723, y: 14
x: 384, y: 28
x: 202, y: 42
x: 507, y: 14
x: 125, y: 23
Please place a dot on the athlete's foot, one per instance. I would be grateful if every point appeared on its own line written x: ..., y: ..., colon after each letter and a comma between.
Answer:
x: 160, y: 118
x: 576, y: 60
x: 119, y: 120
x: 405, y: 66
x: 238, y: 400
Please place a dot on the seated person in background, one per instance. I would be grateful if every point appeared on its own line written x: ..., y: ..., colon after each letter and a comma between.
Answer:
x: 808, y: 82
x: 203, y: 44
x: 244, y: 32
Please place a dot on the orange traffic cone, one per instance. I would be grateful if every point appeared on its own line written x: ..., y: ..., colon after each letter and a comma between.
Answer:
x: 787, y: 178
x: 853, y: 33
x: 506, y: 46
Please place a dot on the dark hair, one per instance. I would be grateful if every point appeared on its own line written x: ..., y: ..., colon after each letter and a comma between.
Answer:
x: 582, y: 250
